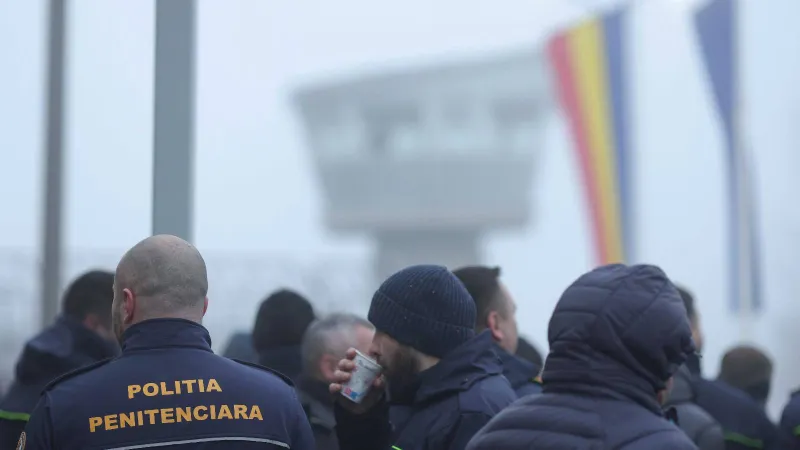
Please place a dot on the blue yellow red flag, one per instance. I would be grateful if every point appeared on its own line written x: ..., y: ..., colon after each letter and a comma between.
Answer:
x: 589, y: 62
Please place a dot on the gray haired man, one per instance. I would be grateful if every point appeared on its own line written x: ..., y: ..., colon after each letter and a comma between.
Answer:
x: 324, y: 344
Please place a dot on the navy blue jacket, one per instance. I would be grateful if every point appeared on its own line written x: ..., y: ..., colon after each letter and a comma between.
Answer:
x: 442, y: 409
x: 744, y: 422
x: 616, y: 336
x: 698, y: 424
x: 790, y: 421
x: 62, y: 347
x: 520, y: 373
x: 168, y: 389
x: 318, y: 404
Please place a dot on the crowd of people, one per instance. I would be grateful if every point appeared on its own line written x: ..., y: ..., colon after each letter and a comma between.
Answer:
x: 128, y: 365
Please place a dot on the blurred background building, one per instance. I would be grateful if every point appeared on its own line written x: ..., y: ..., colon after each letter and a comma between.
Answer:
x: 428, y: 160
x: 334, y: 142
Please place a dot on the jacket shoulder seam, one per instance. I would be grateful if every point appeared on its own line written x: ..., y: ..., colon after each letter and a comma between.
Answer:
x: 283, y: 377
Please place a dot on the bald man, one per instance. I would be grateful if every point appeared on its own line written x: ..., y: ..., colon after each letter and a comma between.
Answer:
x: 167, y: 389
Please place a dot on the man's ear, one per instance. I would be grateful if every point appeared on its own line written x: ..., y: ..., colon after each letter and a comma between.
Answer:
x: 128, y: 305
x: 327, y: 366
x: 493, y: 325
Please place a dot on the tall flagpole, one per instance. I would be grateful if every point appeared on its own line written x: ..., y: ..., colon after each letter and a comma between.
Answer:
x: 51, y: 248
x: 173, y: 129
x: 744, y: 197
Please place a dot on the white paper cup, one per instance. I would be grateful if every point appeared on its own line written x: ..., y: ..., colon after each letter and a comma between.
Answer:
x: 361, y: 378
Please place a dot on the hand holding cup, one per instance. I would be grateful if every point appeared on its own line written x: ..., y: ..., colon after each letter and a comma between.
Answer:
x: 358, y: 382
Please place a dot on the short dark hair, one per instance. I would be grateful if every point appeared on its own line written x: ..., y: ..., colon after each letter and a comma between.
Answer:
x: 483, y: 284
x: 282, y: 319
x: 90, y: 293
x: 688, y: 302
x: 749, y: 369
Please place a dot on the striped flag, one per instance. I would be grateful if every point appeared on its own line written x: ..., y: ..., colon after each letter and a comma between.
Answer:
x: 717, y: 33
x: 589, y: 67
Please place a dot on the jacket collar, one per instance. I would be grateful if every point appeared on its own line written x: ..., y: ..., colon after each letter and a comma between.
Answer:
x: 693, y: 362
x: 63, y: 346
x: 317, y: 402
x: 517, y: 371
x: 458, y: 371
x: 165, y: 333
x: 682, y: 390
x: 314, y: 389
x: 86, y: 341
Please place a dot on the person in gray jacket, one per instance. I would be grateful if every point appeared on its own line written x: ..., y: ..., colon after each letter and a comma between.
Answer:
x: 701, y: 428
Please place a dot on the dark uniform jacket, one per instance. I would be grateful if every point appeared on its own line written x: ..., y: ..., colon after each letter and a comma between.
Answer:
x: 168, y: 390
x: 318, y: 404
x: 62, y: 347
x: 744, y: 422
x: 698, y: 424
x: 790, y: 422
x: 597, y: 394
x: 442, y: 409
x: 520, y: 373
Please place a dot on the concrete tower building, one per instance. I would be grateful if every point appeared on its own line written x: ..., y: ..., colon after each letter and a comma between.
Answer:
x: 428, y: 160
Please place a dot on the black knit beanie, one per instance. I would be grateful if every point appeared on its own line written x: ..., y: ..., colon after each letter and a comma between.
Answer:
x: 426, y: 308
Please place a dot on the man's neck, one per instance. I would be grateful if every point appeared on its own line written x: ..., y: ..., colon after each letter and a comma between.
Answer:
x: 185, y: 315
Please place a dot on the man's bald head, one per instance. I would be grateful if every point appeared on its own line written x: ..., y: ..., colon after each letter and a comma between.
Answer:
x: 167, y: 277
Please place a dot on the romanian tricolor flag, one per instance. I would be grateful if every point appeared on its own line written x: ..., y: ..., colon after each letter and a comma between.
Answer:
x: 589, y: 66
